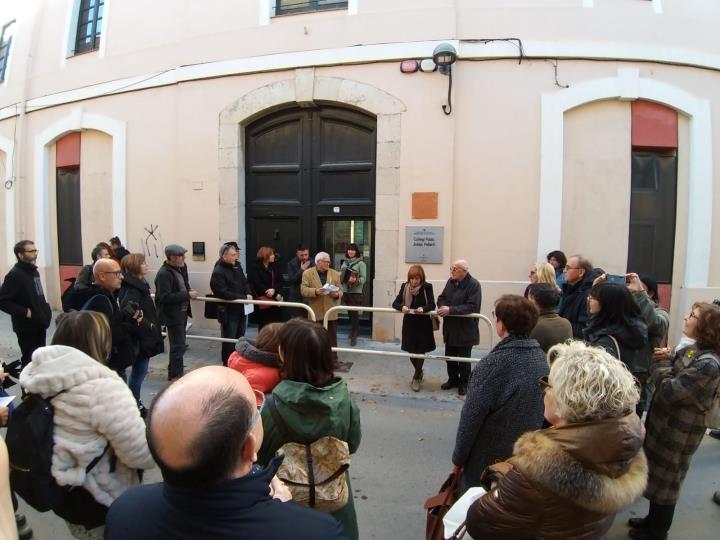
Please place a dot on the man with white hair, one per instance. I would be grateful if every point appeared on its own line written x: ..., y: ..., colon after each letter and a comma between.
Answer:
x: 462, y: 295
x: 322, y: 286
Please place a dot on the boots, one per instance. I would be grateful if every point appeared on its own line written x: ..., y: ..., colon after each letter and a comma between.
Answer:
x: 416, y: 380
x: 24, y: 530
x: 656, y: 525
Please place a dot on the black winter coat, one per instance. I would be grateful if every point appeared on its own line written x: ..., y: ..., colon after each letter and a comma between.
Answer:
x: 462, y: 297
x: 502, y: 403
x: 22, y: 289
x: 295, y: 279
x: 150, y: 339
x: 171, y: 298
x: 631, y: 341
x: 229, y: 283
x: 261, y: 278
x: 573, y: 303
x: 125, y: 330
x: 417, y: 330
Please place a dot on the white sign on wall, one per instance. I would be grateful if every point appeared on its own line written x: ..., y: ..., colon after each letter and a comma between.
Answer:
x: 424, y: 244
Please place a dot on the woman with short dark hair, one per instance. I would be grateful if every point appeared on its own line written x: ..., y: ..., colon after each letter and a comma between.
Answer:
x: 685, y: 386
x: 312, y: 402
x: 502, y: 401
x: 415, y: 298
x: 264, y: 280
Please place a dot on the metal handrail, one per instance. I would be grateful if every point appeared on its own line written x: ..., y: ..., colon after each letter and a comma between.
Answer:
x: 310, y: 312
x: 407, y: 354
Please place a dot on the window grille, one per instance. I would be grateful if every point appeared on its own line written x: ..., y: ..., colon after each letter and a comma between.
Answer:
x: 286, y: 7
x: 89, y: 26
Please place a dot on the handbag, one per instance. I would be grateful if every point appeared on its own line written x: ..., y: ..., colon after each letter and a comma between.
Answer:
x: 437, y: 506
x: 211, y: 308
x: 434, y: 319
x: 264, y: 296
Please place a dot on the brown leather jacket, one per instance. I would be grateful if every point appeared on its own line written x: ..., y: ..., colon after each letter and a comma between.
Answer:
x: 565, y: 482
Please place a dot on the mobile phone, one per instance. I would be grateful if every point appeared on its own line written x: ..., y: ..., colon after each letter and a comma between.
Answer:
x: 616, y: 278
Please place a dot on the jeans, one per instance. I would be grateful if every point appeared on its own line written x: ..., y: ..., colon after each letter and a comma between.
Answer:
x: 232, y: 325
x: 458, y: 371
x: 137, y: 376
x: 176, y: 339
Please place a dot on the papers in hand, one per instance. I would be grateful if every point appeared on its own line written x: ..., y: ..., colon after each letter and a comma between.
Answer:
x: 330, y: 288
x: 5, y: 401
x: 458, y: 512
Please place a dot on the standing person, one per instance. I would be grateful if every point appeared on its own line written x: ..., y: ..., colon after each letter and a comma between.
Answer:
x: 354, y: 273
x: 685, y: 387
x: 135, y: 294
x: 540, y: 272
x: 85, y: 277
x: 550, y: 328
x: 310, y: 390
x: 615, y: 322
x: 558, y: 261
x: 321, y: 299
x: 264, y: 280
x: 570, y: 480
x: 228, y: 282
x: 173, y: 296
x: 579, y: 277
x: 295, y: 269
x: 644, y: 292
x: 503, y: 401
x: 22, y: 297
x: 415, y: 298
x: 462, y: 295
x: 118, y: 249
x: 101, y: 296
x: 94, y: 416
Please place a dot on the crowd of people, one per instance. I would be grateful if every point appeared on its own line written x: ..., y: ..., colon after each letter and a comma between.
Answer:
x: 552, y: 422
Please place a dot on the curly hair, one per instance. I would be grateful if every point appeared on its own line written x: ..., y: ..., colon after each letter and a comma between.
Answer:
x: 708, y: 326
x: 589, y: 384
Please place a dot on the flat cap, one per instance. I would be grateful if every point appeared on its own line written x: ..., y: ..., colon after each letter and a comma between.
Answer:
x: 174, y: 249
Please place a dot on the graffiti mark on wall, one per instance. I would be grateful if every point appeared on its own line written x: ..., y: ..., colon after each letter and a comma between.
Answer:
x: 153, y: 242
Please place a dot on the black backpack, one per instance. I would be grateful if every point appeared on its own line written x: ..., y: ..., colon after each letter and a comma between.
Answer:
x: 30, y: 446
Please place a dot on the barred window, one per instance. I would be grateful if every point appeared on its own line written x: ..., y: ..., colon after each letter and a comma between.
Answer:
x: 285, y: 7
x: 6, y: 38
x: 89, y: 26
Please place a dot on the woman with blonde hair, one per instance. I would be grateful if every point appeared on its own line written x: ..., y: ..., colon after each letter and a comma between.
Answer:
x: 414, y: 299
x: 569, y: 481
x: 541, y: 272
x: 264, y: 280
x: 96, y: 420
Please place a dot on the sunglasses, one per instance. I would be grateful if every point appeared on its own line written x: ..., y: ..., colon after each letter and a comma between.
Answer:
x: 260, y: 400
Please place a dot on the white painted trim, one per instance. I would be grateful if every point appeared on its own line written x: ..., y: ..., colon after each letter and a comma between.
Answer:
x: 104, y: 29
x: 264, y: 13
x: 7, y: 146
x: 657, y: 6
x: 375, y: 53
x: 71, y: 22
x: 353, y: 7
x: 77, y: 120
x: 629, y: 85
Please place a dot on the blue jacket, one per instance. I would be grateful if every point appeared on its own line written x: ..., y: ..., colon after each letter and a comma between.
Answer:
x: 239, y: 508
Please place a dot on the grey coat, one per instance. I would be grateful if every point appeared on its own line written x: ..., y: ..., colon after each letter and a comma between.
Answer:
x: 503, y: 402
x: 676, y: 421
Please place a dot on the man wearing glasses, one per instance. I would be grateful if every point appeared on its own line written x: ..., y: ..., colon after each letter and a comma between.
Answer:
x: 204, y: 432
x: 462, y: 295
x: 579, y: 275
x: 22, y: 297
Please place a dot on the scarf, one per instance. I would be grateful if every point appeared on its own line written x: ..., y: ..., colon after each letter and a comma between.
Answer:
x: 410, y: 291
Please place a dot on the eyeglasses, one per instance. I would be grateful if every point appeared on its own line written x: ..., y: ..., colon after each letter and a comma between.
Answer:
x: 493, y: 314
x: 260, y: 400
x: 453, y: 268
x: 568, y: 268
x: 30, y: 250
x: 116, y: 273
x: 533, y: 272
x: 544, y: 384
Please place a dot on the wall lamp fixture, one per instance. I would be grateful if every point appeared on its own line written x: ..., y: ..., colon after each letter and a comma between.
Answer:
x: 444, y: 57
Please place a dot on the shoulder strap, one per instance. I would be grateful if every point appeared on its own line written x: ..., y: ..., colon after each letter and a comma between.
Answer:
x: 89, y: 301
x: 617, y: 345
x: 283, y: 428
x: 425, y: 293
x: 95, y: 461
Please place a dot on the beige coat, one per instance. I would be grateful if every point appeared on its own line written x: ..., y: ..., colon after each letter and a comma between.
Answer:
x: 320, y: 304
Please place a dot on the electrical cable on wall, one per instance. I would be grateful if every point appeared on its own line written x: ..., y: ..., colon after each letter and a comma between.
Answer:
x: 554, y: 63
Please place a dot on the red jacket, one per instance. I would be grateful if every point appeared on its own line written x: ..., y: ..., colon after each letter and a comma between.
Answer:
x: 261, y: 368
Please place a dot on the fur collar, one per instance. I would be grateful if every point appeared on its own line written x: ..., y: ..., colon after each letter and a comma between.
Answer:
x: 547, y: 462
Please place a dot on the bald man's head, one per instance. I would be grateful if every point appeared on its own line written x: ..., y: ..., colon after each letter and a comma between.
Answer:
x: 107, y: 274
x: 198, y: 427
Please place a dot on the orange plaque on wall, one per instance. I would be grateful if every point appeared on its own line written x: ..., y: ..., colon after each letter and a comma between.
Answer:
x: 425, y: 205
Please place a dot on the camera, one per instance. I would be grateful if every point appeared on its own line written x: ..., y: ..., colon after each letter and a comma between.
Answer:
x: 131, y: 308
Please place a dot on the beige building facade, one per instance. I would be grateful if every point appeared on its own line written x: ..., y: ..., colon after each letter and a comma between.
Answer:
x: 536, y: 155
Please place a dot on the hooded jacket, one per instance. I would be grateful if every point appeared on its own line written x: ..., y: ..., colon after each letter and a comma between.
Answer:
x: 573, y: 303
x: 630, y: 339
x: 563, y: 483
x: 261, y: 368
x: 95, y: 408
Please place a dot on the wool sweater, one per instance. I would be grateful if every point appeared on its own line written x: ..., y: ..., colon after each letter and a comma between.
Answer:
x: 95, y: 408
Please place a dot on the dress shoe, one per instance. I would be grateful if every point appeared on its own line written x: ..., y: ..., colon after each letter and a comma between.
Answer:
x: 647, y: 534
x: 447, y: 385
x: 638, y: 523
x: 415, y: 385
x: 462, y: 389
x: 714, y: 433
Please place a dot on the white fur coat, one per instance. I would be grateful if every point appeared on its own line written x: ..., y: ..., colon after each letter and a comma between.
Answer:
x: 96, y: 407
